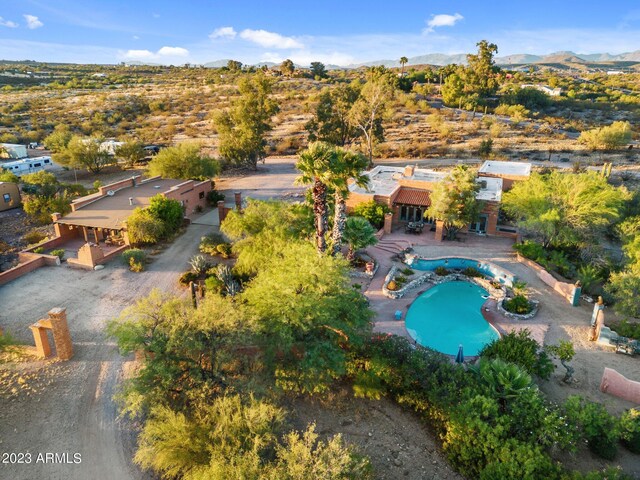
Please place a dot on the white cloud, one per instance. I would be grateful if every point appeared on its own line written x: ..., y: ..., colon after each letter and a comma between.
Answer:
x: 173, y: 52
x: 136, y: 37
x: 442, y: 20
x: 7, y: 23
x: 33, y: 22
x: 162, y: 53
x: 270, y: 39
x: 139, y: 55
x: 223, y: 32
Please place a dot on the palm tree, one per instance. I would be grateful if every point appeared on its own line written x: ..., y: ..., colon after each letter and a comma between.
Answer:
x: 317, y: 165
x: 505, y: 380
x: 348, y: 165
x: 358, y: 233
x: 403, y: 62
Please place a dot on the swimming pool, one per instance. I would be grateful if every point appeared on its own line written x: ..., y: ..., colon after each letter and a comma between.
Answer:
x: 448, y: 315
x: 457, y: 263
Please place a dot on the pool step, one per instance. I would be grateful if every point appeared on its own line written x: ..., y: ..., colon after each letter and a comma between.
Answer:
x: 392, y: 246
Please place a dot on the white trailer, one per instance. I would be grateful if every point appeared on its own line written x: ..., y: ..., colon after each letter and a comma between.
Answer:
x: 28, y: 165
x: 12, y: 150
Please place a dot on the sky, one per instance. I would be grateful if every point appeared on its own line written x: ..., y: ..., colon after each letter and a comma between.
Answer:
x: 330, y: 31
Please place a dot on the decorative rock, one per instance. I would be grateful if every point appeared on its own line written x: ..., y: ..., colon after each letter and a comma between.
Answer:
x: 98, y: 267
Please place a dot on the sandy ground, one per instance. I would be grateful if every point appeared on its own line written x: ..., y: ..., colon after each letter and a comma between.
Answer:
x: 69, y: 407
x: 396, y: 441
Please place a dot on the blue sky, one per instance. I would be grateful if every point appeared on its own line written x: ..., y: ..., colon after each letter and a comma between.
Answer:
x: 339, y: 32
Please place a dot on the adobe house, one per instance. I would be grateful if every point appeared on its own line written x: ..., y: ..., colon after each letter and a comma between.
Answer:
x: 9, y: 196
x: 100, y: 219
x: 406, y: 191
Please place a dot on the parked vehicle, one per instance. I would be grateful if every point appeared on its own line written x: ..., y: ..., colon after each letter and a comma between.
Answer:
x: 28, y: 165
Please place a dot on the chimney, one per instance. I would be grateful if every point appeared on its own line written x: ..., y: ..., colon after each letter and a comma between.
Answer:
x: 408, y: 171
x: 130, y: 200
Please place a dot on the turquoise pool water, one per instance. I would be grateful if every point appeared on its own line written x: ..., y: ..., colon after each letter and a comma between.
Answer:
x: 448, y: 315
x: 457, y: 263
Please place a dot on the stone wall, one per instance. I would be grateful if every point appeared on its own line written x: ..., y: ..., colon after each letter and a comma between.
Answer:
x: 619, y: 386
x: 517, y: 316
x: 28, y: 263
x: 564, y: 289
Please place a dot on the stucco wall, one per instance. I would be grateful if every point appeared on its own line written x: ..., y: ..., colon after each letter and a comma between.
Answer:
x: 565, y: 289
x: 618, y: 385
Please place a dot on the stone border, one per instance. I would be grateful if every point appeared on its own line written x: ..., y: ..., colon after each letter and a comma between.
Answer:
x: 395, y: 294
x: 517, y: 316
x: 413, y: 257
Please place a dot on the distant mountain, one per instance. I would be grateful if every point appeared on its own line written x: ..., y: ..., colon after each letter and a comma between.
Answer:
x: 629, y: 57
x: 217, y: 63
x: 559, y: 57
x: 518, y: 59
x: 438, y: 59
x: 138, y: 63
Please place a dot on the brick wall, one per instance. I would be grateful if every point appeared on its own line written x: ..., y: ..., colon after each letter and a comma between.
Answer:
x: 192, y: 194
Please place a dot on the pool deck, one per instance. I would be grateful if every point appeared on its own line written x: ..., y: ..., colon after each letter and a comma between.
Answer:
x: 496, y: 250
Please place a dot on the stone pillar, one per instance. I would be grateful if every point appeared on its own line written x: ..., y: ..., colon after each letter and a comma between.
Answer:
x: 439, y: 230
x: 42, y: 342
x: 61, y: 336
x: 388, y: 221
x: 575, y: 295
x: 222, y: 211
x: 238, y: 199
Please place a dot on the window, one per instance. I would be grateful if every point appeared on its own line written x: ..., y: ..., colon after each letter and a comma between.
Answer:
x: 201, y: 195
x: 7, y: 197
x: 37, y: 165
x: 46, y: 161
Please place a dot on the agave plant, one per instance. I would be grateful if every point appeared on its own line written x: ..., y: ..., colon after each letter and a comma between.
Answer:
x: 505, y: 380
x: 231, y: 285
x: 199, y: 264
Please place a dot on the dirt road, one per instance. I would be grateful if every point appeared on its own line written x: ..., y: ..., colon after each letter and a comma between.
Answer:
x: 68, y: 407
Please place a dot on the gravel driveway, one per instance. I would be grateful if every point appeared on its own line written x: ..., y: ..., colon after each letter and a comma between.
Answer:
x: 67, y: 407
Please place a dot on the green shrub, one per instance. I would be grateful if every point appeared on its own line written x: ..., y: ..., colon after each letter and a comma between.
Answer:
x: 630, y: 430
x: 209, y: 243
x: 472, y: 272
x: 138, y: 256
x: 136, y: 266
x: 214, y: 285
x: 213, y: 197
x: 521, y: 349
x: 401, y: 280
x: 170, y: 212
x: 144, y: 228
x: 38, y: 250
x: 224, y: 250
x: 559, y: 262
x: 518, y: 304
x: 407, y: 271
x: 59, y: 252
x: 531, y: 250
x: 187, y: 277
x: 372, y: 211
x: 599, y: 428
x: 589, y: 276
x: 6, y: 341
x: 441, y: 271
x: 33, y: 237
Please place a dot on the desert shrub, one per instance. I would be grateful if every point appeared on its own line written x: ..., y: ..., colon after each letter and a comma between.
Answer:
x: 472, y: 272
x: 6, y: 341
x: 187, y: 277
x: 136, y: 266
x: 40, y: 207
x: 209, y: 243
x: 599, y: 428
x: 135, y: 254
x: 392, y: 285
x: 38, y: 250
x: 59, y: 252
x: 401, y: 280
x: 33, y: 237
x: 9, y: 177
x: 407, y: 271
x: 372, y: 211
x: 486, y: 146
x: 630, y: 429
x: 559, y: 262
x: 224, y: 250
x: 521, y: 349
x: 518, y: 304
x: 589, y: 276
x: 441, y: 271
x: 170, y: 212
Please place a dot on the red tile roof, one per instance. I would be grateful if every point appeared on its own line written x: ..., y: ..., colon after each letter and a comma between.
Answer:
x: 412, y: 196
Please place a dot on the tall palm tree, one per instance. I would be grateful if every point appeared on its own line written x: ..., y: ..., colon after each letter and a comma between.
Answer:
x: 349, y: 165
x: 403, y: 62
x: 358, y: 233
x: 317, y: 165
